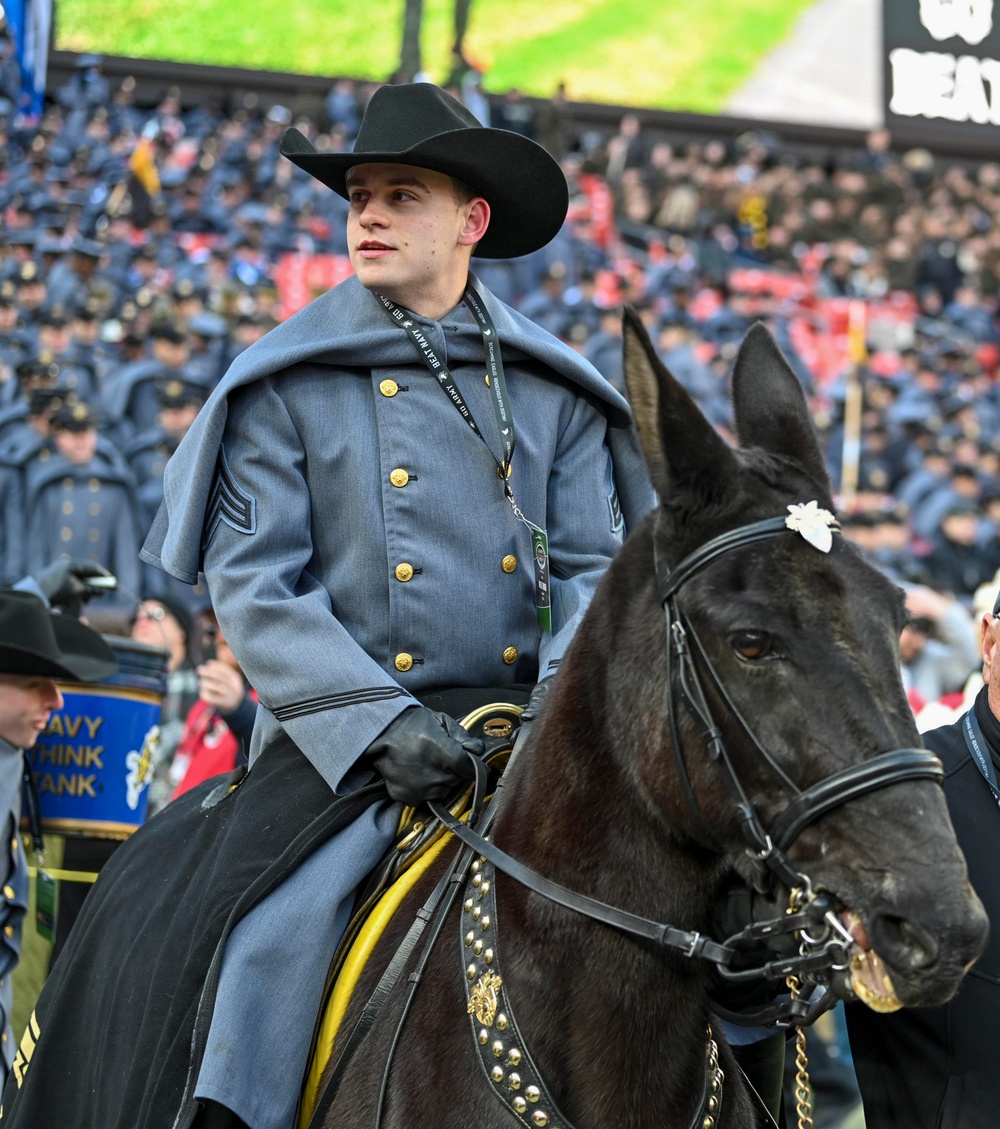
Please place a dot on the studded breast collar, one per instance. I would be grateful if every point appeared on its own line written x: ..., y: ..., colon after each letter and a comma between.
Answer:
x: 513, y: 1076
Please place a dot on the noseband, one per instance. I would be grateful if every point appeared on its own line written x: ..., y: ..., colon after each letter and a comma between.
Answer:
x: 804, y: 806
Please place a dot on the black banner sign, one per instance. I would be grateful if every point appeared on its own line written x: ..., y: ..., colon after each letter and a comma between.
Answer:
x: 942, y: 68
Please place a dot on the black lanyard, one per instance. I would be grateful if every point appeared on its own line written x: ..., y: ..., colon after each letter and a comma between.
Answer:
x: 497, y: 383
x: 505, y: 423
x: 976, y: 742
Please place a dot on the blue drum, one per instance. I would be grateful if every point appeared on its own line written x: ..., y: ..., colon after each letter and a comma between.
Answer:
x: 94, y: 763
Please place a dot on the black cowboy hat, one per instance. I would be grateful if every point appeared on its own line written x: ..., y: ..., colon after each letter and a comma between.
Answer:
x: 422, y: 125
x: 36, y: 643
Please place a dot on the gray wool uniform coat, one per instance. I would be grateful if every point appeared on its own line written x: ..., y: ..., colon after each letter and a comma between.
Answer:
x: 360, y: 552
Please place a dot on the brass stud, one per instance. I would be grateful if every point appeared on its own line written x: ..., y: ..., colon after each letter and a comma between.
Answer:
x: 485, y: 888
x: 716, y: 1085
x: 472, y: 972
x: 713, y: 1104
x: 475, y: 866
x: 478, y: 880
x: 469, y: 937
x: 514, y: 1058
x: 468, y: 905
x: 484, y: 1036
x: 497, y: 1049
x: 488, y: 956
x: 708, y: 1123
x: 532, y: 1093
x: 476, y: 913
x: 477, y: 948
x: 485, y: 922
x: 513, y: 1081
x: 497, y: 1074
x: 539, y: 1118
x: 519, y: 1105
x: 501, y: 1024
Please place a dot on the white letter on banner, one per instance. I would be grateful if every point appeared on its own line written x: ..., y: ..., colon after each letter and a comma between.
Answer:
x: 907, y: 82
x: 972, y: 20
x: 970, y: 95
x: 923, y: 84
x: 991, y: 74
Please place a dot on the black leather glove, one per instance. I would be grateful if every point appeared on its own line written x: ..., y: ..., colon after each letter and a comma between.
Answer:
x: 531, y: 711
x: 422, y: 755
x: 64, y: 583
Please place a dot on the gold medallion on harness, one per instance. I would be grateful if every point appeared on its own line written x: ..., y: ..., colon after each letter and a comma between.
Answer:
x: 483, y: 999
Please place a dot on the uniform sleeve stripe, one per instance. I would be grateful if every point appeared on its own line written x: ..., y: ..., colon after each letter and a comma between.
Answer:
x: 338, y: 701
x: 229, y: 503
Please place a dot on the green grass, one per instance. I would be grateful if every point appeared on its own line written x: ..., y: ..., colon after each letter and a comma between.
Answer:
x: 668, y: 54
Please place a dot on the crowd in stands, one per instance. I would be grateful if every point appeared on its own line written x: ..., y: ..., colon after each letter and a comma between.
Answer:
x: 144, y: 247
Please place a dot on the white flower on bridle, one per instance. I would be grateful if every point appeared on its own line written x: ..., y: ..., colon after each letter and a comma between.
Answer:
x: 816, y: 525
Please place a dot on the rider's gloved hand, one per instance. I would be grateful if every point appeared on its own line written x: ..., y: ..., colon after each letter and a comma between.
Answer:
x: 64, y: 583
x: 531, y: 711
x: 422, y: 755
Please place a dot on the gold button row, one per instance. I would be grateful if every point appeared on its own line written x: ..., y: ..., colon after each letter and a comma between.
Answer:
x: 404, y: 661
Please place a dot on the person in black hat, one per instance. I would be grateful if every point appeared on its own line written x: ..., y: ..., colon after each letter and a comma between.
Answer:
x: 37, y: 649
x: 329, y: 462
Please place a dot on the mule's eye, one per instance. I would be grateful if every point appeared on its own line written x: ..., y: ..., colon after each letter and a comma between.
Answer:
x: 751, y: 645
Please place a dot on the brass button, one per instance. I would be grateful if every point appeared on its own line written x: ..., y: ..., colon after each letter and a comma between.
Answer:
x: 399, y: 477
x: 388, y: 388
x: 66, y: 533
x: 404, y: 571
x: 8, y: 892
x: 8, y: 930
x: 67, y: 507
x: 510, y: 655
x: 404, y: 661
x: 508, y: 564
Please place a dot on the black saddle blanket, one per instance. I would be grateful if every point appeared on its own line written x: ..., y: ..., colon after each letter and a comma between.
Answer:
x: 120, y: 1027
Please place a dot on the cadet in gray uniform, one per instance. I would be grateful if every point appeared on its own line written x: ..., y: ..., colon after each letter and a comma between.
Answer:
x: 367, y: 492
x: 80, y: 501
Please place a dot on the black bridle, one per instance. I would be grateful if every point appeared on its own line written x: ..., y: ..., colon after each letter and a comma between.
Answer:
x: 804, y: 806
x: 825, y: 944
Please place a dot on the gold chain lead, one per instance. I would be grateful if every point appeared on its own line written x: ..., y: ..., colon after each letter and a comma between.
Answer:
x: 803, y: 1092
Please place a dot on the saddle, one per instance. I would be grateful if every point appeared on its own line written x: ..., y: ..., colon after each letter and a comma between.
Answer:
x: 420, y: 839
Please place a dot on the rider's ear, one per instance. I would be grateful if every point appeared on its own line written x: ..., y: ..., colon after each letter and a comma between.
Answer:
x: 769, y: 406
x: 689, y: 463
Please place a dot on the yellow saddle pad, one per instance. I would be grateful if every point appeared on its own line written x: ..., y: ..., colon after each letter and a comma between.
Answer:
x: 496, y: 720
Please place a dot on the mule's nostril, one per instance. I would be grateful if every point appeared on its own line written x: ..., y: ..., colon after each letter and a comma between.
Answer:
x: 902, y: 942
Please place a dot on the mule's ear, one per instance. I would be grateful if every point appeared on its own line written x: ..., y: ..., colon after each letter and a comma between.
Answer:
x: 769, y: 406
x: 683, y: 451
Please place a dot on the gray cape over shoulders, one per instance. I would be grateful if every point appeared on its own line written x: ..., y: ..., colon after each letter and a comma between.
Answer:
x: 347, y: 326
